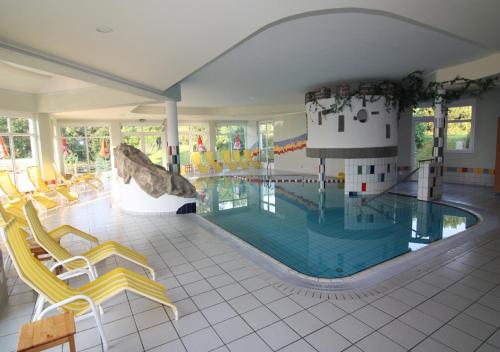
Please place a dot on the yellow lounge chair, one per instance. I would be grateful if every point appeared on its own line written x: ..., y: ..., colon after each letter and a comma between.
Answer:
x: 19, y: 198
x: 196, y: 160
x: 255, y: 163
x: 40, y: 185
x: 85, y: 260
x: 9, y: 212
x: 86, y: 179
x: 226, y: 156
x: 211, y: 161
x: 85, y: 301
x: 237, y: 159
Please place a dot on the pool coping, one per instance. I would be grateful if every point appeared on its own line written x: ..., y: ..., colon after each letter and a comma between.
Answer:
x: 384, y: 276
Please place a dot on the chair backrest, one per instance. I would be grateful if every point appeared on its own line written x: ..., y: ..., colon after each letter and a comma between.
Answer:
x: 4, y: 215
x: 41, y: 236
x: 236, y: 155
x: 36, y: 179
x: 8, y: 186
x: 226, y: 156
x: 247, y: 154
x: 210, y: 157
x: 196, y: 158
x: 31, y: 270
x: 12, y: 213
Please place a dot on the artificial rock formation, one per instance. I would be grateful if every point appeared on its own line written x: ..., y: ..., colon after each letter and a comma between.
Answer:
x: 153, y: 179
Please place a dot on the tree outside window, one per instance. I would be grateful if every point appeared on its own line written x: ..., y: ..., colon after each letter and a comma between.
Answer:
x: 86, y: 148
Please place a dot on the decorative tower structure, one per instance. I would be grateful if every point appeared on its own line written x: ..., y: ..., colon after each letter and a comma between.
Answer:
x: 364, y: 134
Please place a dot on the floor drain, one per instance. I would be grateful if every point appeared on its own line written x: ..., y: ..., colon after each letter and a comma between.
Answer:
x: 339, y: 270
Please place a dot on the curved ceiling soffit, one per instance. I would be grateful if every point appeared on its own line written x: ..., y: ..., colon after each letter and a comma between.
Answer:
x: 326, y: 12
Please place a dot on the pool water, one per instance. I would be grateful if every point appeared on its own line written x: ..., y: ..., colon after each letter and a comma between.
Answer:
x: 326, y: 235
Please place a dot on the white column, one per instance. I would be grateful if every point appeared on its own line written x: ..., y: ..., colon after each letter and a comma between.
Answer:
x: 321, y: 175
x: 212, y: 132
x: 45, y: 146
x: 115, y: 133
x: 172, y: 136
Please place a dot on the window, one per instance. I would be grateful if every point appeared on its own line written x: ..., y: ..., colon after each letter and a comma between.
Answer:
x: 18, y: 148
x: 192, y: 138
x: 387, y: 131
x: 266, y: 141
x: 459, y: 128
x: 86, y: 148
x: 230, y: 137
x: 341, y: 123
x: 147, y: 138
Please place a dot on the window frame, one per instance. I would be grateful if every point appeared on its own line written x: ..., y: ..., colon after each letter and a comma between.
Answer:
x: 193, y: 136
x: 263, y: 152
x: 430, y: 118
x: 244, y: 125
x: 86, y: 137
x: 459, y: 103
x: 32, y: 133
x: 142, y: 135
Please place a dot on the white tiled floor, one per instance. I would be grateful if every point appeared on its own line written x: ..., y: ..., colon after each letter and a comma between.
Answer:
x: 226, y: 303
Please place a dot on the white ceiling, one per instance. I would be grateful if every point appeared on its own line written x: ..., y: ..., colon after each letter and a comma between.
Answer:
x: 280, y: 64
x: 160, y: 42
x: 237, y: 53
x: 27, y: 80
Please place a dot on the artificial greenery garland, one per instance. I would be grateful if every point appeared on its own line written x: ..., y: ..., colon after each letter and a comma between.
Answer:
x: 409, y: 92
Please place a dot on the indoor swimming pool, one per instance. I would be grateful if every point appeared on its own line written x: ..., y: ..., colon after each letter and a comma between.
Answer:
x: 327, y: 235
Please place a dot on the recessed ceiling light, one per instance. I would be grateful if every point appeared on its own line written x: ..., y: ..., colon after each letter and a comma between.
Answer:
x: 104, y: 29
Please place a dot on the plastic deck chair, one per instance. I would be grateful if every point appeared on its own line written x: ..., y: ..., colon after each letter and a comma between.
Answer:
x: 40, y: 185
x: 9, y: 212
x: 237, y: 158
x: 86, y: 179
x: 226, y: 156
x: 85, y: 301
x: 198, y: 165
x: 86, y: 259
x: 211, y: 161
x: 19, y: 198
x: 255, y: 163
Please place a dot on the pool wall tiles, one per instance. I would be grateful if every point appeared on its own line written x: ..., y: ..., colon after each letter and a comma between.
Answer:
x: 369, y: 176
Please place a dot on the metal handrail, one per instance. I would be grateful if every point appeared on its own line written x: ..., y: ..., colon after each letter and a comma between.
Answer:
x: 391, y: 187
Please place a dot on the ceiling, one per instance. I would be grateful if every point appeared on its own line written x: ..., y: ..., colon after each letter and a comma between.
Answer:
x: 237, y: 53
x: 28, y: 80
x: 280, y: 64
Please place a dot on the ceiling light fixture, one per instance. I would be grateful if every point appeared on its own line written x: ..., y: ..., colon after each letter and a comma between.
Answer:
x: 104, y: 29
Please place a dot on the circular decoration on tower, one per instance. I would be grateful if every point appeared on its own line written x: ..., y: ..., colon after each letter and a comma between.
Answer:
x: 362, y: 115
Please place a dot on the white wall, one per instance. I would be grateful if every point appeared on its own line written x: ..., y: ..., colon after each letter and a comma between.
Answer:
x: 369, y: 134
x: 290, y: 126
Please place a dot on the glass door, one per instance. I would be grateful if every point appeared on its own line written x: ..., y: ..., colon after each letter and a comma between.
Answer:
x: 424, y: 140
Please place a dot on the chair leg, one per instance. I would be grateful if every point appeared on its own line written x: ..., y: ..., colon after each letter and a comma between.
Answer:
x: 97, y: 318
x: 38, y: 307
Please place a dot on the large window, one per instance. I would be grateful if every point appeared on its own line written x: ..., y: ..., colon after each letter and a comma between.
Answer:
x: 18, y: 148
x: 459, y: 134
x: 147, y: 138
x: 86, y: 148
x: 230, y: 137
x: 192, y: 138
x: 459, y: 128
x: 266, y: 141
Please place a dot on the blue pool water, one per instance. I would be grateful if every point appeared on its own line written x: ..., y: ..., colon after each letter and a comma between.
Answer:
x: 328, y: 236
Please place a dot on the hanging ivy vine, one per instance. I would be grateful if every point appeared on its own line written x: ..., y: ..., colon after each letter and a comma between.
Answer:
x: 409, y: 92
